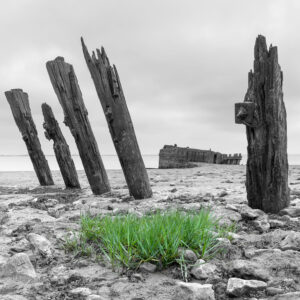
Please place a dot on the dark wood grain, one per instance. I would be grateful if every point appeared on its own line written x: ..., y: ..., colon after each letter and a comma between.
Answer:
x: 60, y: 147
x: 112, y: 99
x: 266, y: 127
x: 66, y: 87
x: 19, y: 104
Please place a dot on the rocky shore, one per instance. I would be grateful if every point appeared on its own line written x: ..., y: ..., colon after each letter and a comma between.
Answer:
x: 262, y: 259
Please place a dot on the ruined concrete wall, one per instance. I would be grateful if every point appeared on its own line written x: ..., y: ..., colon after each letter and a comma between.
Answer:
x: 179, y: 157
x: 174, y: 157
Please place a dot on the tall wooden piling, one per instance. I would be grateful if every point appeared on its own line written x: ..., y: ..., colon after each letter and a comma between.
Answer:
x: 60, y: 147
x: 66, y: 87
x: 19, y: 104
x: 112, y: 99
x: 263, y: 112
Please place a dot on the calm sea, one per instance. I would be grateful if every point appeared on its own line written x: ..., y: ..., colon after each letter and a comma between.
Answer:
x: 111, y: 162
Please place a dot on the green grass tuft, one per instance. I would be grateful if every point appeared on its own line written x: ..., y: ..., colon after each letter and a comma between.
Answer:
x: 129, y: 240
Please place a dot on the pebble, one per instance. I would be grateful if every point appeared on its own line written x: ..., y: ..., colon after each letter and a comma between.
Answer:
x: 148, y: 267
x: 238, y: 287
x: 188, y: 254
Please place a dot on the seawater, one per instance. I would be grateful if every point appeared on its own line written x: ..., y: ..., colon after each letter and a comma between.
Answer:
x: 111, y: 162
x: 23, y: 162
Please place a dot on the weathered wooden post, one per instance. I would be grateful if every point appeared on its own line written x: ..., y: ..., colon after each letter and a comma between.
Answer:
x: 60, y: 147
x: 19, y: 104
x: 111, y: 96
x: 66, y: 87
x: 263, y: 112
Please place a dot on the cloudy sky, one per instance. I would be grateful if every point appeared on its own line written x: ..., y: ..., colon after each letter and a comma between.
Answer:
x: 183, y: 65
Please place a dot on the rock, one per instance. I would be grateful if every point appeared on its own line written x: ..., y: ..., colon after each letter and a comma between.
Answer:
x: 80, y: 292
x: 248, y: 270
x: 290, y: 211
x: 57, y: 211
x: 21, y: 246
x: 272, y: 291
x: 276, y: 223
x: 224, y: 244
x: 51, y: 202
x: 203, y: 270
x: 41, y: 245
x: 148, y: 267
x: 222, y: 194
x: 198, y: 291
x: 3, y: 217
x: 136, y: 277
x: 19, y: 267
x: 248, y: 213
x: 188, y: 254
x: 95, y: 297
x: 238, y: 287
x: 227, y: 217
x: 288, y: 296
x: 262, y: 224
x: 232, y: 207
x: 291, y: 241
x: 13, y: 297
x: 251, y: 252
x: 234, y: 236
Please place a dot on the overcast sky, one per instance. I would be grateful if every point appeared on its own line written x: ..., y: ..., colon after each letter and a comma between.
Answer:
x: 182, y: 64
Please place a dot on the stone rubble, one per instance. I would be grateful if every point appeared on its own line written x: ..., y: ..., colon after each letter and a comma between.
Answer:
x: 261, y: 258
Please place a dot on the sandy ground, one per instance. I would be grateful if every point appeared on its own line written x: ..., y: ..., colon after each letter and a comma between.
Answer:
x: 34, y: 222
